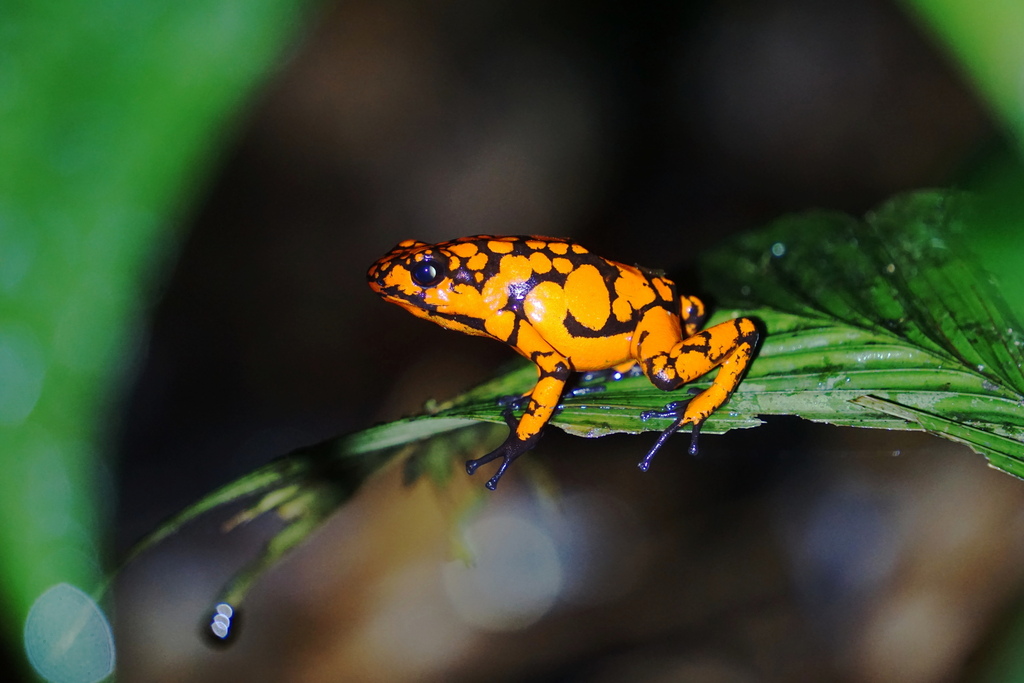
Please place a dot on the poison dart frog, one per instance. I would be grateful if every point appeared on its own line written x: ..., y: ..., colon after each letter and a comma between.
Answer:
x: 567, y: 310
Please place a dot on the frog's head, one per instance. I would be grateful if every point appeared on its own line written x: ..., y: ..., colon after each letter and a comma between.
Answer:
x: 430, y: 281
x: 405, y: 272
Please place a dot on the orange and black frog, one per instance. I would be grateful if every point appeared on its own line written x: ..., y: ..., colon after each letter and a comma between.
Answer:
x: 567, y: 310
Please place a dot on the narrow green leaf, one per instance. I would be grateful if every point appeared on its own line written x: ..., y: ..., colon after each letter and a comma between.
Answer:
x: 883, y: 323
x: 1001, y: 451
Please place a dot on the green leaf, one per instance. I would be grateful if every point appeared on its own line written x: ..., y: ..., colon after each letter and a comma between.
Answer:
x: 111, y: 113
x: 928, y: 331
x: 884, y: 322
x: 986, y: 37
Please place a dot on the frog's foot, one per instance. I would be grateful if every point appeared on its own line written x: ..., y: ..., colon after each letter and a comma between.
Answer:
x: 601, y: 377
x: 512, y: 402
x: 596, y: 381
x: 677, y: 410
x: 511, y: 449
x: 584, y: 391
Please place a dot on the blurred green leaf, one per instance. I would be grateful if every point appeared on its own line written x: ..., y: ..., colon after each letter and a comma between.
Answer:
x: 111, y: 113
x: 996, y: 235
x: 986, y: 38
x: 884, y: 322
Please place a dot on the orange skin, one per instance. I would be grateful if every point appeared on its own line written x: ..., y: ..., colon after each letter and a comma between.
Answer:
x: 567, y: 310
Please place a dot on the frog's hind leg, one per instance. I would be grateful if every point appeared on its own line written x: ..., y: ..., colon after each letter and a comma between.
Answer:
x: 692, y: 314
x: 728, y: 346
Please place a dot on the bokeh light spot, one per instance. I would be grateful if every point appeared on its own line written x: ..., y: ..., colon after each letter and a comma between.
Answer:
x: 514, y: 580
x: 22, y: 369
x: 68, y: 638
x: 223, y: 627
x: 18, y: 249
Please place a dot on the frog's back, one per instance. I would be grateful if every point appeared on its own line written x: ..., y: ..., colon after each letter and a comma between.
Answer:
x: 585, y: 306
x: 603, y: 296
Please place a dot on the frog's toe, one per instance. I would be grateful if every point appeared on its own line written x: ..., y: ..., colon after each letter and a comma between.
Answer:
x: 513, y: 402
x: 508, y: 452
x: 472, y: 465
x: 511, y: 449
x: 676, y: 410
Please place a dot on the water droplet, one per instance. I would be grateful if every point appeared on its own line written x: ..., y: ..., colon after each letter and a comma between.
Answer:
x: 891, y: 268
x: 981, y: 368
x: 223, y: 627
x: 778, y: 249
x: 68, y: 638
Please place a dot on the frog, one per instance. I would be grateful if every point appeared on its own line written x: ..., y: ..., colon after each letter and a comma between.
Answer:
x: 568, y: 311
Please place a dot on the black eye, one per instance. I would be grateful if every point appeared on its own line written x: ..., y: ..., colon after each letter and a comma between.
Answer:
x: 427, y: 273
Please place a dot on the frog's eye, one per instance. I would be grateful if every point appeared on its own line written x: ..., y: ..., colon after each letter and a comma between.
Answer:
x: 427, y: 273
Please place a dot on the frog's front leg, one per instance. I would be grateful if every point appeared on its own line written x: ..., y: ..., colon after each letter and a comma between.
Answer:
x: 728, y: 346
x: 541, y: 402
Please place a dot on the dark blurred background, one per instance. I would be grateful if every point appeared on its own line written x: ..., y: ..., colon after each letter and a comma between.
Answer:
x: 649, y: 132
